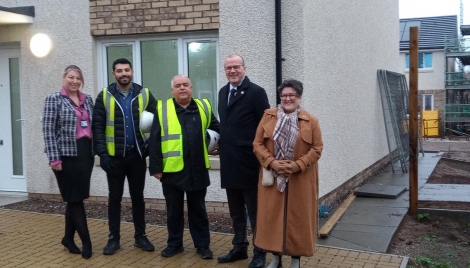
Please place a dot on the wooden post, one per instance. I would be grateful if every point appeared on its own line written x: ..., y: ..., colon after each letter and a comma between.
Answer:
x: 413, y: 120
x: 422, y: 129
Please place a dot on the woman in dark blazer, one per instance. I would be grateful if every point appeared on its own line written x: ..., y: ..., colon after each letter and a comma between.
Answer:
x: 67, y: 135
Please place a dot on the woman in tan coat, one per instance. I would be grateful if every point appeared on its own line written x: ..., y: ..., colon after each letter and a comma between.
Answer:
x: 288, y: 142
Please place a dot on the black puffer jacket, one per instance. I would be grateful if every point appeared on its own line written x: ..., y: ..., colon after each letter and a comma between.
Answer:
x: 99, y: 122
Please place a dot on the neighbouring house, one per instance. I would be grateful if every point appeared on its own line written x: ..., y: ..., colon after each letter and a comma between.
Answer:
x: 333, y: 47
x: 432, y: 61
x: 457, y: 108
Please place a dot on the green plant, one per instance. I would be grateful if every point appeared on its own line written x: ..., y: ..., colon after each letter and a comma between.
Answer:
x: 441, y: 265
x: 436, y: 223
x: 431, y: 238
x: 423, y: 261
x: 424, y: 217
x: 450, y: 255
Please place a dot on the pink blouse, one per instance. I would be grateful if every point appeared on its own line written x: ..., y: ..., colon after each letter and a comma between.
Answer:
x: 82, y: 114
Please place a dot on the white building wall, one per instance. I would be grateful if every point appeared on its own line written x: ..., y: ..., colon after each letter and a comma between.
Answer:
x: 69, y: 28
x: 335, y: 49
x: 428, y: 79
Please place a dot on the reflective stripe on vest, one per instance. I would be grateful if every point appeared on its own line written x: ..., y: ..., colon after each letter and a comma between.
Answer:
x: 171, y: 137
x: 110, y: 104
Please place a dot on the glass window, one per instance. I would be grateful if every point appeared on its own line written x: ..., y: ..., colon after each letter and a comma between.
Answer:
x: 16, y: 121
x: 428, y: 101
x: 424, y: 60
x: 156, y: 59
x: 159, y: 65
x: 202, y: 70
x: 116, y: 52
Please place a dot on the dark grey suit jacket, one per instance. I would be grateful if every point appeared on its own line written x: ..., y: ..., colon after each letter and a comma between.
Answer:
x: 239, y: 166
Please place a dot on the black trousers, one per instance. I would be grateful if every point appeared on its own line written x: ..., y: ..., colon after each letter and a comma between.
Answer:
x: 133, y: 167
x: 239, y: 203
x: 197, y: 216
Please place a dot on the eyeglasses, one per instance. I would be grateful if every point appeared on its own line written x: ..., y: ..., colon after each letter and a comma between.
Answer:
x: 291, y: 96
x: 235, y: 68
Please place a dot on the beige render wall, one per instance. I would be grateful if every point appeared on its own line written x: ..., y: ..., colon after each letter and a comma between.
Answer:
x: 68, y: 27
x: 335, y: 49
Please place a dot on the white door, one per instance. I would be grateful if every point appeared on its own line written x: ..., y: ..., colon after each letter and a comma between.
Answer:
x: 11, y: 123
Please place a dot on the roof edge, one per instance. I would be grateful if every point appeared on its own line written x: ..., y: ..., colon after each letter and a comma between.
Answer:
x: 26, y: 10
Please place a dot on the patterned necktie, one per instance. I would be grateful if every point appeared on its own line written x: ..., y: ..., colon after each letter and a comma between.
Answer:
x: 233, y: 92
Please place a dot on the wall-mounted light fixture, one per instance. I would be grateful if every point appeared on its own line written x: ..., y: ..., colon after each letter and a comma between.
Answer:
x: 40, y: 45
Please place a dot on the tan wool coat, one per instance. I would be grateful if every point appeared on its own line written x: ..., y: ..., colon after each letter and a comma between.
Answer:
x: 287, y: 222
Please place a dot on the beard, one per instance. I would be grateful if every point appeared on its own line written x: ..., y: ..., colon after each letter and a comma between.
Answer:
x: 121, y: 82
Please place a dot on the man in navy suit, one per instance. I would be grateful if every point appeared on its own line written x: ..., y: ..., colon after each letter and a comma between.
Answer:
x: 241, y: 106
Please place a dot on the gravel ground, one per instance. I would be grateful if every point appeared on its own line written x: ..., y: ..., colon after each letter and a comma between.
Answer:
x: 100, y: 211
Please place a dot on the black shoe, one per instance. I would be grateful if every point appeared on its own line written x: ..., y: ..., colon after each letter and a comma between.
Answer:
x: 111, y: 247
x: 86, y: 250
x: 170, y: 252
x: 258, y: 261
x: 143, y: 243
x: 234, y: 255
x: 70, y: 245
x: 206, y: 253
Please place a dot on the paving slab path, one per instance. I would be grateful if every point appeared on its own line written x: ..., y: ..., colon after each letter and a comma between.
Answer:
x: 33, y: 240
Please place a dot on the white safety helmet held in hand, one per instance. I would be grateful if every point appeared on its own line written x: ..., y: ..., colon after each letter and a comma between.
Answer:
x: 146, y: 120
x: 212, y: 139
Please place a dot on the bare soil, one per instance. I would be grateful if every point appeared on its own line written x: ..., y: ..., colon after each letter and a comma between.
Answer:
x: 435, y: 241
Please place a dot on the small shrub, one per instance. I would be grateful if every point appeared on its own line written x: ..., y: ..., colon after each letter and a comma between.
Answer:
x: 450, y: 255
x: 431, y: 238
x: 423, y: 261
x: 424, y: 217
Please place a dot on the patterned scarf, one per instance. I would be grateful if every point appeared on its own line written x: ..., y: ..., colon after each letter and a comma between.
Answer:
x: 285, y: 135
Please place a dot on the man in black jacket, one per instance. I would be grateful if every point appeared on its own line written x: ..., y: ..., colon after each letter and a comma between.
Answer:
x: 241, y: 107
x: 179, y: 159
x: 122, y: 148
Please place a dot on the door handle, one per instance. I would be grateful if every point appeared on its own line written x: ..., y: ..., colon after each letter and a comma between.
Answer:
x: 1, y: 142
x: 20, y: 120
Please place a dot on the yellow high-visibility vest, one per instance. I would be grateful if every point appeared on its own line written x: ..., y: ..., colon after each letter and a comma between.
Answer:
x: 171, y: 133
x: 109, y: 104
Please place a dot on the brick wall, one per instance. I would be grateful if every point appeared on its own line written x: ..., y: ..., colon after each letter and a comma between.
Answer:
x: 123, y: 17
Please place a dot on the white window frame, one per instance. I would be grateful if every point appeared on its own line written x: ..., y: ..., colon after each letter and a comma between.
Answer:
x: 424, y: 99
x: 134, y: 41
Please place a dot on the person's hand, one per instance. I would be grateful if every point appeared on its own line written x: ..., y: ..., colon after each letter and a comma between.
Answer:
x: 57, y: 167
x: 158, y: 176
x: 281, y: 167
x: 106, y: 163
x: 292, y: 166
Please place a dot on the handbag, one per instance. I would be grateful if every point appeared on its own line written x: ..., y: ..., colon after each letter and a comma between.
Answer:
x: 268, y: 177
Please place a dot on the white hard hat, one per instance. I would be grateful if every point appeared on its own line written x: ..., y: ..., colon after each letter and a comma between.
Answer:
x: 212, y: 139
x: 146, y: 120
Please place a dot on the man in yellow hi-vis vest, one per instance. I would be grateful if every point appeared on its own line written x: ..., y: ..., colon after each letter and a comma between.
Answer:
x: 178, y: 157
x: 122, y: 149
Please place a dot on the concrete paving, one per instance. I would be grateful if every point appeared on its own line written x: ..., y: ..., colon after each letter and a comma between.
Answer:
x: 12, y: 197
x: 370, y: 223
